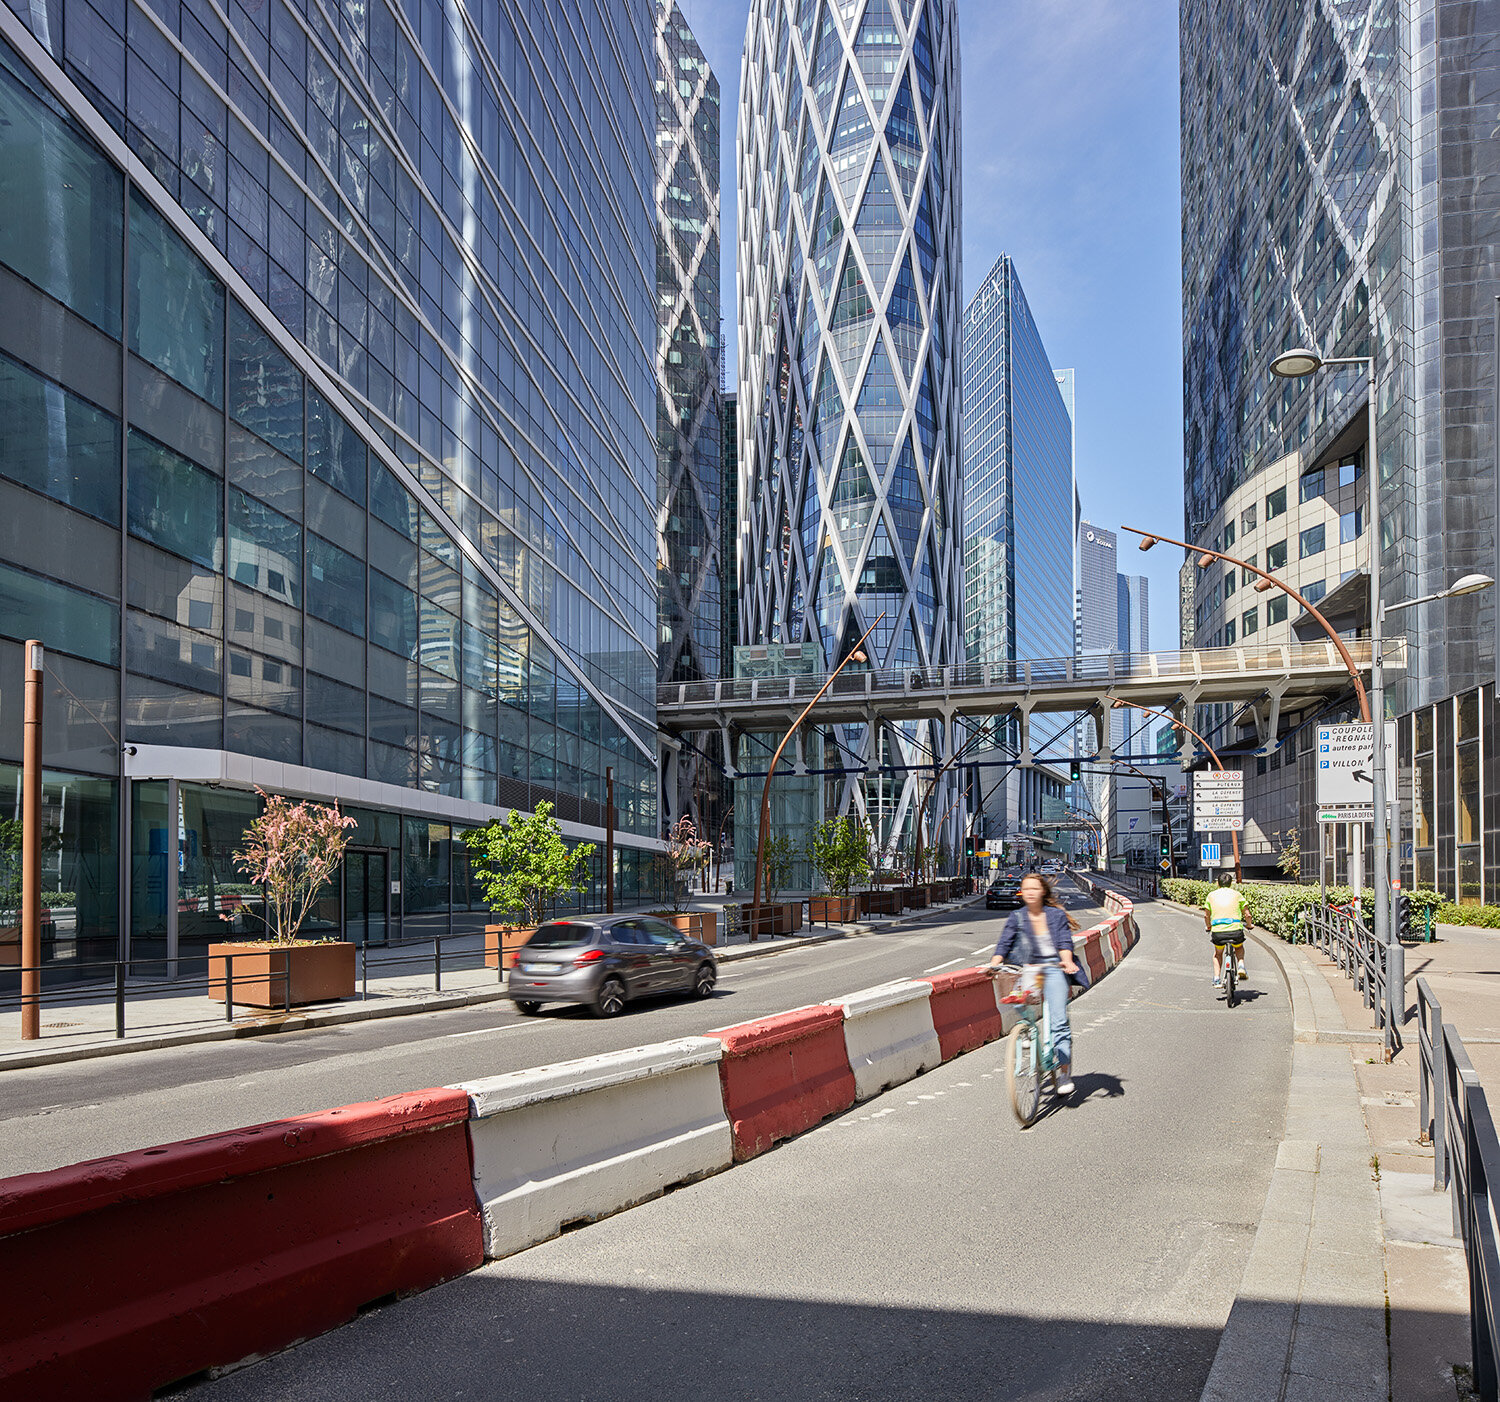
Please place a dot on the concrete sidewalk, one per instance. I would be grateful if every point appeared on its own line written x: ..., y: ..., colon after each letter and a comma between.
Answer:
x: 80, y: 1025
x: 1354, y: 1281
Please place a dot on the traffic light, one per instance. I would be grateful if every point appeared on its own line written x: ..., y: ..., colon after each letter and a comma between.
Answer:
x: 1166, y: 846
x: 1403, y: 916
x: 969, y: 848
x: 1075, y: 771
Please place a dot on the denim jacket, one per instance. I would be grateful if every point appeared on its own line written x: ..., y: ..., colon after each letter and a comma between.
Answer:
x: 1018, y: 945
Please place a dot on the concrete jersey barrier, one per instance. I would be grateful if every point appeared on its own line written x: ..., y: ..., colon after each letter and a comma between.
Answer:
x: 784, y: 1074
x: 583, y: 1139
x: 122, y: 1275
x: 965, y: 1010
x: 889, y: 1036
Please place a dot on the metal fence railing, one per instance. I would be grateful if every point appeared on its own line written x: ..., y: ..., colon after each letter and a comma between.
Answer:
x: 124, y: 981
x: 1143, y: 883
x: 1377, y: 970
x: 1467, y: 1162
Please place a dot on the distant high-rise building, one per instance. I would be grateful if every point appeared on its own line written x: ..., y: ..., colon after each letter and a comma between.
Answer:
x: 689, y: 431
x: 1133, y: 631
x: 849, y: 324
x: 729, y: 598
x: 1098, y: 590
x: 1018, y: 523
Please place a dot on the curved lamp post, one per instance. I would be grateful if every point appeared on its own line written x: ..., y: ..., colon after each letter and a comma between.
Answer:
x: 855, y: 655
x: 1234, y: 837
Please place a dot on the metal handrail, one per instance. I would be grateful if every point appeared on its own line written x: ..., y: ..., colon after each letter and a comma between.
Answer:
x: 1377, y: 971
x: 1432, y: 1081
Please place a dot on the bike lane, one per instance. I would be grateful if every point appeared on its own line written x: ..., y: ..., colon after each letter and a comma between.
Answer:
x: 920, y: 1246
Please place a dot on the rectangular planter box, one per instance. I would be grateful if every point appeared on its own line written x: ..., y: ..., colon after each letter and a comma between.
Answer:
x: 887, y: 902
x: 833, y: 910
x: 701, y: 925
x: 319, y: 973
x: 503, y: 942
x: 778, y: 918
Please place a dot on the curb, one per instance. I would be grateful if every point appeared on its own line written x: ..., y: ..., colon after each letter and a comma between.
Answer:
x: 405, y: 1007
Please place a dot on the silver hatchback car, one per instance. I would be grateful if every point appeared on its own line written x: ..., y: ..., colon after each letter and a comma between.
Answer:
x: 602, y: 962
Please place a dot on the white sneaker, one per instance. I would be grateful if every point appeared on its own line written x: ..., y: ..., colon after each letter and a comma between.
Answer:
x: 1239, y: 970
x: 1065, y: 1086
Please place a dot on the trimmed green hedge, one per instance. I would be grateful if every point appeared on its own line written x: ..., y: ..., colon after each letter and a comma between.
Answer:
x: 1274, y: 906
x: 1486, y: 916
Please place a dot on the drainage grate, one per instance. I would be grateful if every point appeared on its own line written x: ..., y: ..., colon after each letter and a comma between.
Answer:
x: 48, y: 1025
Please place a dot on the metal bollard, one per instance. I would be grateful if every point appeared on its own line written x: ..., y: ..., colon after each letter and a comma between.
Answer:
x: 1395, y: 993
x: 119, y: 999
x: 229, y: 988
x: 437, y: 963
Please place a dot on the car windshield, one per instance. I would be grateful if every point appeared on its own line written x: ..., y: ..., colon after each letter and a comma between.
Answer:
x: 560, y: 934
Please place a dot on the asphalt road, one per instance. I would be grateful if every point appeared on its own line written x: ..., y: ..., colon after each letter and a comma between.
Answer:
x: 54, y: 1115
x: 919, y: 1247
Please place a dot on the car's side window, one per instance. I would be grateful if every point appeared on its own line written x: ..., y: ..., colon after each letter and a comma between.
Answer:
x: 627, y: 932
x: 659, y: 932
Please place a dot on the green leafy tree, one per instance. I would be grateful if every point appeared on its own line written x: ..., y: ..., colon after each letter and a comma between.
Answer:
x: 781, y: 860
x: 1289, y: 855
x: 839, y: 850
x: 523, y: 865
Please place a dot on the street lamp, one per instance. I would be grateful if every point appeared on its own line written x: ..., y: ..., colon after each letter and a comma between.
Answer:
x: 855, y: 655
x: 1293, y: 365
x: 1213, y: 754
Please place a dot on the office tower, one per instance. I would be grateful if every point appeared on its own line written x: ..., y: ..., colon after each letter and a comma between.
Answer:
x: 1133, y: 629
x: 689, y: 431
x: 729, y: 584
x: 328, y: 453
x: 849, y: 396
x: 1340, y: 190
x: 1018, y: 522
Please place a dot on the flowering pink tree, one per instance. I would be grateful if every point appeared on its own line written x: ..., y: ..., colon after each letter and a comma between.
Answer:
x: 291, y: 850
x: 686, y: 852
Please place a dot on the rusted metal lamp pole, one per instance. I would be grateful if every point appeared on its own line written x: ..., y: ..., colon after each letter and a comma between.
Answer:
x: 31, y: 848
x: 855, y: 655
x: 1213, y: 754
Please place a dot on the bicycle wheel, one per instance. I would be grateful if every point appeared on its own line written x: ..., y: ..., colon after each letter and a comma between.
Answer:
x: 1229, y: 997
x: 1022, y: 1073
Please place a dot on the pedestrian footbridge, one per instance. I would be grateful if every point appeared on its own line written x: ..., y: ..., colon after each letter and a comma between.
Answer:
x: 1287, y: 677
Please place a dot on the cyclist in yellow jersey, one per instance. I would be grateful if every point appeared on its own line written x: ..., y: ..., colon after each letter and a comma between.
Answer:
x: 1226, y: 917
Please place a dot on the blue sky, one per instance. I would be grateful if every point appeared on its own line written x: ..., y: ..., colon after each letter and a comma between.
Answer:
x: 1070, y: 165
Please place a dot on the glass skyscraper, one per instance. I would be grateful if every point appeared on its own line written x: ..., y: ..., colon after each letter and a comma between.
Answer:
x: 849, y: 286
x: 326, y: 437
x: 1341, y: 190
x: 689, y: 430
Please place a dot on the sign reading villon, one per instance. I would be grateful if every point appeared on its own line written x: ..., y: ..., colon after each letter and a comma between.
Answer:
x: 1345, y: 771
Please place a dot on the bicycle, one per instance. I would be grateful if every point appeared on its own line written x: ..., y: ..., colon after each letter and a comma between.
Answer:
x: 1231, y: 964
x: 1028, y: 1051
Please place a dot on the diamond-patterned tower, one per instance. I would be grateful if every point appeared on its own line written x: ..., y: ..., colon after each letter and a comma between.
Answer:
x: 849, y: 313
x: 849, y: 324
x: 689, y: 436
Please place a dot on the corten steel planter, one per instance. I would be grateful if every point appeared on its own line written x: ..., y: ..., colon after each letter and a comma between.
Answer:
x: 776, y: 918
x: 833, y: 910
x: 701, y: 925
x: 503, y: 942
x: 886, y: 902
x: 318, y: 973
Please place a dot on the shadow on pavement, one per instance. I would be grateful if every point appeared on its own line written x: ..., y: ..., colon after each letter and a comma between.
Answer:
x: 497, y: 1337
x: 1085, y: 1086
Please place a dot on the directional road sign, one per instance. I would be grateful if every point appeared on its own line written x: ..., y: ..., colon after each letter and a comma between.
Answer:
x: 1208, y: 779
x: 1346, y: 813
x: 1208, y: 854
x: 1345, y: 764
x: 1217, y: 824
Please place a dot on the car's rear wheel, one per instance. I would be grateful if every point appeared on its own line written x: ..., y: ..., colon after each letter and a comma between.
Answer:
x: 610, y: 1000
x: 529, y: 1006
x: 704, y: 980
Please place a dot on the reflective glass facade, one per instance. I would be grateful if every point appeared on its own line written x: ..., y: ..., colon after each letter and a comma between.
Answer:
x: 326, y: 396
x: 1018, y: 482
x: 1340, y: 187
x: 689, y: 427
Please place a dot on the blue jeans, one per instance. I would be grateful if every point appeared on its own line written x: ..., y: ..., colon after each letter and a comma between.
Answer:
x: 1055, y: 995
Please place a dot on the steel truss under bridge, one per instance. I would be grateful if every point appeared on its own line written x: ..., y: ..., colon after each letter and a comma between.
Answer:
x: 1271, y: 680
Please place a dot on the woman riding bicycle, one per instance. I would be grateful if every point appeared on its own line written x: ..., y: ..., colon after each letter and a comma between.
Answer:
x: 1041, y: 933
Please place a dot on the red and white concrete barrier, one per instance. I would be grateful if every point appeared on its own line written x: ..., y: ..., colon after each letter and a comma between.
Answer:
x: 577, y: 1141
x: 122, y: 1275
x: 888, y: 1035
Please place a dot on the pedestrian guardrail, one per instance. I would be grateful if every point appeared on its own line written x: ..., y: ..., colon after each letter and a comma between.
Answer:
x: 1463, y: 1124
x: 1143, y: 883
x: 1377, y: 970
x: 153, y: 976
x: 1432, y: 1079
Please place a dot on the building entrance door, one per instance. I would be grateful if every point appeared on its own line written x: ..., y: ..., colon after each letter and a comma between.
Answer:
x: 367, y: 895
